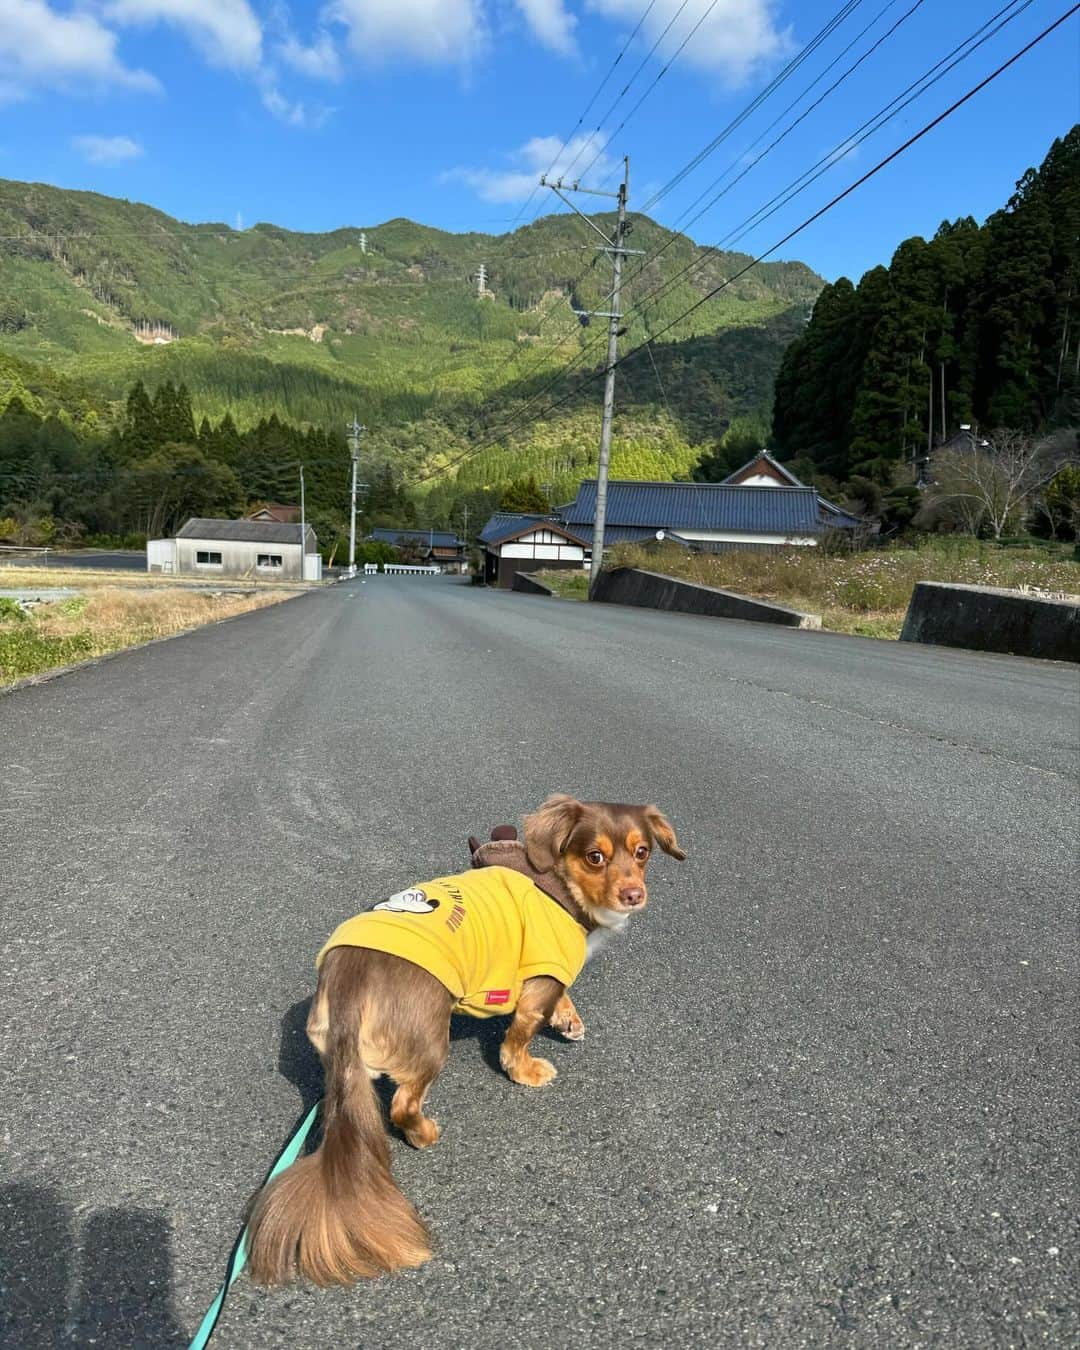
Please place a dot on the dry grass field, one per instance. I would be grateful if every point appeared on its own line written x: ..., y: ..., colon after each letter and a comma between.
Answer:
x: 105, y: 617
x: 865, y: 593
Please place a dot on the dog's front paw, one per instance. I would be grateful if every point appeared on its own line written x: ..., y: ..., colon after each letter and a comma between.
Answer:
x: 568, y: 1023
x: 530, y: 1072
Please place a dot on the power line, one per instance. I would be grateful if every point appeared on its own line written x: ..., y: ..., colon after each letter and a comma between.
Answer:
x: 585, y: 111
x: 873, y: 124
x: 807, y: 111
x: 659, y: 76
x: 817, y: 215
x: 892, y: 109
x: 793, y: 65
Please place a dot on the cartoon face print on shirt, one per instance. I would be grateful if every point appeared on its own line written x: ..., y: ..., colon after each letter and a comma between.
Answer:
x: 409, y: 902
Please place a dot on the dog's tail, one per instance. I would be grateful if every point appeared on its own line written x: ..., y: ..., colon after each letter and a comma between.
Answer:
x: 337, y: 1214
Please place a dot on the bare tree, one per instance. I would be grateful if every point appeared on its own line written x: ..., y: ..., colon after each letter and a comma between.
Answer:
x: 991, y: 482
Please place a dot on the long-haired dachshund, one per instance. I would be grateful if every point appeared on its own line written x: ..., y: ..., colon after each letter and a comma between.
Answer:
x: 495, y: 940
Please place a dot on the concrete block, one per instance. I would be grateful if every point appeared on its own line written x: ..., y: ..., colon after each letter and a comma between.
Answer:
x: 651, y: 590
x: 524, y: 582
x: 988, y: 619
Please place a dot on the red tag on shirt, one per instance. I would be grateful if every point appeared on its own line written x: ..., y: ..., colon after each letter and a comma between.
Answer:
x: 497, y: 996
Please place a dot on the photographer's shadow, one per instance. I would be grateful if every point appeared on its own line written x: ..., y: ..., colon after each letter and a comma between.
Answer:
x: 106, y: 1280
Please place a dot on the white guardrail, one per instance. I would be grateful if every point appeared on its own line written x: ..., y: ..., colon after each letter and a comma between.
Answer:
x: 398, y: 569
x: 26, y: 551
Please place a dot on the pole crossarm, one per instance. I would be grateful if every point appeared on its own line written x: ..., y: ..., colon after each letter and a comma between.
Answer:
x: 591, y: 224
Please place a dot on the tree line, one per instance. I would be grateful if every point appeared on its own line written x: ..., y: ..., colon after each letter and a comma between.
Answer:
x: 980, y: 326
x: 156, y: 468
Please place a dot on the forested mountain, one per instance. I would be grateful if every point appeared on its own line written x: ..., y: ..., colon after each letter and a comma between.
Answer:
x: 151, y: 369
x: 980, y: 325
x: 385, y: 321
x: 288, y: 335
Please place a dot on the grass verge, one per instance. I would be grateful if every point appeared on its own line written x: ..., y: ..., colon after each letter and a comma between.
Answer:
x: 862, y: 593
x: 106, y: 620
x: 14, y: 578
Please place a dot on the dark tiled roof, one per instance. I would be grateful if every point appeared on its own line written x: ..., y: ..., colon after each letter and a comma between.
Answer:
x: 613, y: 534
x: 244, y: 531
x: 507, y: 525
x: 700, y: 506
x: 436, y: 538
x: 834, y: 517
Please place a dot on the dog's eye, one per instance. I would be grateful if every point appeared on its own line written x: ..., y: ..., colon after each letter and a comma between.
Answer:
x: 595, y: 857
x: 641, y: 852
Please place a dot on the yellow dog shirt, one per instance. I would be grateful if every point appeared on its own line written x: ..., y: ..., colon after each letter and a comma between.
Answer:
x: 482, y: 934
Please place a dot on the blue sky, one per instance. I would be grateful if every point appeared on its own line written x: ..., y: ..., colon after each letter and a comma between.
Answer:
x: 314, y: 115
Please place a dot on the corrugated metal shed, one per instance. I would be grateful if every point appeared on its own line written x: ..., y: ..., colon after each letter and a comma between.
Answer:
x: 244, y: 531
x: 700, y: 506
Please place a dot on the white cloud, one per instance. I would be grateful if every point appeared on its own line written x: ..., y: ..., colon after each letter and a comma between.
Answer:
x: 285, y: 110
x: 529, y: 162
x: 225, y: 31
x: 733, y: 39
x: 551, y: 24
x: 107, y: 149
x: 320, y: 61
x: 434, y: 31
x: 41, y: 48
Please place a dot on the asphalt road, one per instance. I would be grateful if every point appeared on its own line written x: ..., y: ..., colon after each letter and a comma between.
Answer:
x: 109, y: 560
x: 829, y: 1077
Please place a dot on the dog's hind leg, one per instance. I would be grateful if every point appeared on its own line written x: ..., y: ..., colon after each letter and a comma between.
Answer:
x: 413, y: 1032
x: 407, y: 1110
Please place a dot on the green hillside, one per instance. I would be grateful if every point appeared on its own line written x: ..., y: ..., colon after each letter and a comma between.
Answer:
x: 399, y: 332
x: 288, y: 335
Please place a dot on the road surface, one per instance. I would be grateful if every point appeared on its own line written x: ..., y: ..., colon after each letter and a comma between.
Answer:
x: 828, y: 1081
x: 104, y: 559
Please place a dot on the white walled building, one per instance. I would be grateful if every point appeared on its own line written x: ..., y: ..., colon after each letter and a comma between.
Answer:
x: 517, y: 543
x: 250, y: 549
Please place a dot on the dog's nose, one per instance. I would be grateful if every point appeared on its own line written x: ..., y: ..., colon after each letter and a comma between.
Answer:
x: 632, y: 896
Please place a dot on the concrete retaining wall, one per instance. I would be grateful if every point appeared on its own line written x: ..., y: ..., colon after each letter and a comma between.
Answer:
x: 528, y: 584
x: 986, y: 619
x: 651, y: 590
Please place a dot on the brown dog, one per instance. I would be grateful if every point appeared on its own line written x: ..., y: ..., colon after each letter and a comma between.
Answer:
x: 338, y: 1214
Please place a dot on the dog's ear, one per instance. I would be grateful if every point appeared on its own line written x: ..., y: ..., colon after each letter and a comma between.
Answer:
x: 662, y: 832
x: 548, y: 829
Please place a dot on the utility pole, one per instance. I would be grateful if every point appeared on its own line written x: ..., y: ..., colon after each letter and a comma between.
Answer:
x: 481, y: 281
x: 616, y: 250
x: 303, y: 530
x: 355, y: 431
x: 363, y: 242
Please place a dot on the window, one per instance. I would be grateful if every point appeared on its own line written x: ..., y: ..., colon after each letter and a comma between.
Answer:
x: 270, y: 560
x: 205, y: 559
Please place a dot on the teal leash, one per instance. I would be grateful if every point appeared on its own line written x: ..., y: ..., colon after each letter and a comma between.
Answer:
x: 238, y: 1256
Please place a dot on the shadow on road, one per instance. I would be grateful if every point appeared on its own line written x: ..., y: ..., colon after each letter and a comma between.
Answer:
x: 64, y: 1281
x: 298, y: 1061
x: 486, y: 1031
